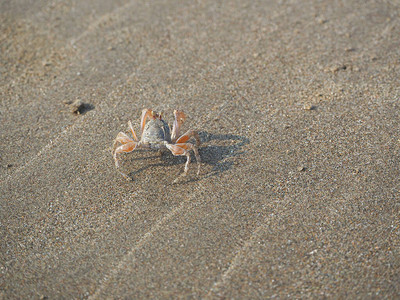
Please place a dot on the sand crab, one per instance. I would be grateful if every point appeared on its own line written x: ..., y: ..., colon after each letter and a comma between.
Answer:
x: 156, y: 135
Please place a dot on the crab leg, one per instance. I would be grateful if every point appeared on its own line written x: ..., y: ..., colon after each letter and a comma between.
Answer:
x: 189, y: 146
x: 179, y: 119
x: 183, y: 149
x: 133, y: 131
x: 128, y: 147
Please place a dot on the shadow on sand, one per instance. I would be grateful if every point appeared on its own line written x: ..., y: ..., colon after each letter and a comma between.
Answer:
x: 216, y: 152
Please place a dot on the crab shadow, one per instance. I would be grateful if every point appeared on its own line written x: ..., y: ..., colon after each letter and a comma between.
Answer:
x: 219, y: 149
x: 215, y: 150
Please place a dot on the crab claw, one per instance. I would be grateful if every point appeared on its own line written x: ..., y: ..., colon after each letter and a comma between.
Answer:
x: 179, y: 119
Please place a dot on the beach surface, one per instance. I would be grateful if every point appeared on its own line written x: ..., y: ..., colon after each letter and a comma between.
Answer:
x: 297, y: 106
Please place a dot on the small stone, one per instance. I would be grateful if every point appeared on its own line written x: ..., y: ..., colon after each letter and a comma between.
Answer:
x: 337, y: 68
x: 308, y: 107
x: 301, y: 169
x: 76, y: 107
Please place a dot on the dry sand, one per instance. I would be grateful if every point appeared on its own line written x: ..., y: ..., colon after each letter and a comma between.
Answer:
x: 297, y: 105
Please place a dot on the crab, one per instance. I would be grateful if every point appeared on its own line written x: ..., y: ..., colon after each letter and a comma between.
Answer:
x: 157, y: 135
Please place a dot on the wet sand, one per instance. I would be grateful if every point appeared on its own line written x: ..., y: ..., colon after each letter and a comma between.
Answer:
x: 296, y: 104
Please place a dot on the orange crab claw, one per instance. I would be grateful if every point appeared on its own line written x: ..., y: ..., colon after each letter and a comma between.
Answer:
x: 184, y: 138
x: 146, y: 113
x: 179, y: 119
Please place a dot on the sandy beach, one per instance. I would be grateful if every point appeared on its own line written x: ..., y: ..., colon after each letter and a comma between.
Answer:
x: 297, y: 107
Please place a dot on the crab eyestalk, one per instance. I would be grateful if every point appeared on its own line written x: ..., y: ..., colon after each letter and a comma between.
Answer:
x: 156, y: 115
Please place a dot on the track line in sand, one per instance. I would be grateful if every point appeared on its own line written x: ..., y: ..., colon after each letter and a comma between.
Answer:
x: 53, y: 142
x: 71, y: 42
x: 235, y: 262
x: 47, y: 147
x: 95, y: 24
x: 130, y: 256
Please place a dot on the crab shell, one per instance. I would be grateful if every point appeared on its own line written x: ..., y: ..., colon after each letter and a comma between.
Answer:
x: 156, y: 133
